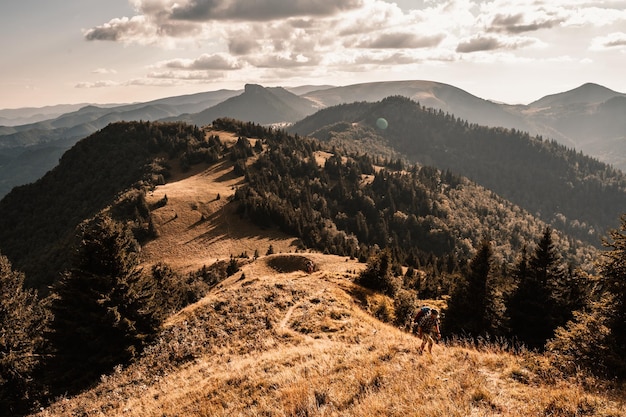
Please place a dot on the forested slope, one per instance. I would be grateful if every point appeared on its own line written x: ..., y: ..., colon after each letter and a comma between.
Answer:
x: 561, y: 186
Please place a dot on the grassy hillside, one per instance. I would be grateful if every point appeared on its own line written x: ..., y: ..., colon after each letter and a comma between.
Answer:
x: 289, y: 343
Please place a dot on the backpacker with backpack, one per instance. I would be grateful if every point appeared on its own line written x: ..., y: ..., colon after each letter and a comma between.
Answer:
x: 421, y: 314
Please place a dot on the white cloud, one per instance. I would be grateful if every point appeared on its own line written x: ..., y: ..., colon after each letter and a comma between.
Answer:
x: 97, y: 84
x: 102, y: 71
x: 615, y: 40
x: 219, y: 61
x: 234, y: 39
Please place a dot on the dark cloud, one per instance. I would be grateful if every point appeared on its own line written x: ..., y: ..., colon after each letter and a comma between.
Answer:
x: 479, y: 43
x: 259, y: 10
x: 101, y: 33
x: 400, y: 40
x: 615, y: 43
x: 242, y: 46
x: 516, y: 23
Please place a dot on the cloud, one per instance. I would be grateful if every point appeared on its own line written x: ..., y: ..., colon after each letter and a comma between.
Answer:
x: 401, y: 40
x: 487, y: 42
x: 115, y: 29
x: 218, y: 61
x: 610, y: 41
x: 235, y: 39
x: 258, y: 10
x: 104, y: 71
x: 521, y: 22
x: 97, y: 84
x: 180, y: 76
x: 479, y: 43
x: 283, y: 60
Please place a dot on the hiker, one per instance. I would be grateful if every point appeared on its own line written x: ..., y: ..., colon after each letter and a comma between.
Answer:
x: 428, y: 329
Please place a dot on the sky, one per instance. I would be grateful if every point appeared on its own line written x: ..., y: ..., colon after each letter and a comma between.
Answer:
x: 123, y: 51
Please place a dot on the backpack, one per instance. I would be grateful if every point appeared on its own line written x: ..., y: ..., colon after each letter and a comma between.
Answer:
x: 421, y: 314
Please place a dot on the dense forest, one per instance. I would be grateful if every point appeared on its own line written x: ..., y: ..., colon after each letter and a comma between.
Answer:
x: 70, y: 247
x: 563, y: 187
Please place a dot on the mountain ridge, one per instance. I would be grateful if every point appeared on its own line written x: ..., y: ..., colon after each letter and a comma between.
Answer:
x: 593, y: 127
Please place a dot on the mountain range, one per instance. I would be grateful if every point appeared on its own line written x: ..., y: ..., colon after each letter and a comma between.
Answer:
x: 588, y: 118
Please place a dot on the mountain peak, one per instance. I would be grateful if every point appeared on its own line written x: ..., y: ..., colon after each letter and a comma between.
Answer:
x: 253, y: 88
x: 588, y: 93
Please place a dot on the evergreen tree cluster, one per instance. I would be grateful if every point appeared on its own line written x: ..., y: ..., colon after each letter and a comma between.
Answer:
x: 565, y: 188
x: 354, y: 204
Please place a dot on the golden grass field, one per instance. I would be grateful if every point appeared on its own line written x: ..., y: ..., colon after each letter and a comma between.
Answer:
x: 273, y: 340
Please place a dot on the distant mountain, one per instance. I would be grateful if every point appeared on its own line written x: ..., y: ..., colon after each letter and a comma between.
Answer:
x: 586, y: 118
x: 257, y: 104
x: 28, y: 115
x: 304, y: 89
x: 442, y: 96
x: 586, y: 94
x: 565, y: 188
x: 589, y: 118
x: 59, y: 134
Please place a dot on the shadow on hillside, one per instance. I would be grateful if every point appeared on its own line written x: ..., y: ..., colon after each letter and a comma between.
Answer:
x: 290, y: 263
x: 225, y: 224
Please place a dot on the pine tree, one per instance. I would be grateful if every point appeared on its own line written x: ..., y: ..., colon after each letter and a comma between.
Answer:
x: 595, y: 338
x: 99, y: 321
x: 23, y: 321
x: 470, y: 307
x: 613, y: 269
x: 533, y: 309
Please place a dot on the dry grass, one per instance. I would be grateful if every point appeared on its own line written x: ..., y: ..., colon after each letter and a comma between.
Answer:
x: 273, y: 340
x: 295, y: 344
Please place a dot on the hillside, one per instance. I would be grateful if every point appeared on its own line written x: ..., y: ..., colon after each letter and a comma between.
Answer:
x: 101, y: 167
x: 559, y: 185
x: 274, y: 340
x: 51, y: 137
x: 586, y: 118
x: 271, y: 338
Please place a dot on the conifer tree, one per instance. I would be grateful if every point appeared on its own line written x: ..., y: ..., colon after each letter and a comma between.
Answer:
x: 533, y: 309
x: 23, y: 322
x: 99, y: 321
x: 470, y: 306
x: 596, y: 337
x: 613, y: 269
